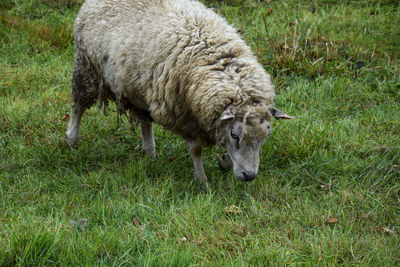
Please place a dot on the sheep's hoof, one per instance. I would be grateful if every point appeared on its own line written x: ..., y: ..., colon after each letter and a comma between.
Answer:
x: 204, y: 186
x: 72, y: 142
x: 151, y: 154
x: 225, y: 162
x: 203, y: 183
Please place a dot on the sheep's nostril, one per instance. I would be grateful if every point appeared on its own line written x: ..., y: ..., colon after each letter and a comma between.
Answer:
x: 249, y: 176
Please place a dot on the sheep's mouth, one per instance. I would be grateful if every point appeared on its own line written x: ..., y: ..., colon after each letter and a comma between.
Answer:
x: 246, y: 177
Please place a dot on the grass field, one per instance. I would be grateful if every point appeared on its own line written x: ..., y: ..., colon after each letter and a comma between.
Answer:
x: 328, y: 191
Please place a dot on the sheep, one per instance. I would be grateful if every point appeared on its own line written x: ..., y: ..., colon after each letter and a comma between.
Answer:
x: 180, y: 65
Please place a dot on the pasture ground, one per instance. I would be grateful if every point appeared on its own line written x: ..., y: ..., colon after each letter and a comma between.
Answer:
x: 328, y: 191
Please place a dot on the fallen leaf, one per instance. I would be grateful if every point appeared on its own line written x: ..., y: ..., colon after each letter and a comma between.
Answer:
x: 66, y: 116
x: 269, y: 11
x: 233, y: 210
x: 267, y: 1
x: 324, y: 187
x: 135, y: 222
x: 385, y: 230
x: 332, y: 220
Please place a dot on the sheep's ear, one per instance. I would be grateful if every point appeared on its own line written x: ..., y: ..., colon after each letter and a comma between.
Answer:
x: 229, y: 113
x: 279, y: 114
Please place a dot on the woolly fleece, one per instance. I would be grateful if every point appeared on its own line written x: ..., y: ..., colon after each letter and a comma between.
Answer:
x: 172, y: 61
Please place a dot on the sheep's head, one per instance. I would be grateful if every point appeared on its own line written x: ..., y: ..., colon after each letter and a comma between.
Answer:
x: 243, y: 131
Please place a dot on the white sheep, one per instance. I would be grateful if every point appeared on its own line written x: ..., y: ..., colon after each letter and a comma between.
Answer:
x: 179, y: 64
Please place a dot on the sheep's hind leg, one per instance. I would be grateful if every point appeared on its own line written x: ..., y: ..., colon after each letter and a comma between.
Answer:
x: 85, y: 84
x: 147, y: 135
x: 195, y: 150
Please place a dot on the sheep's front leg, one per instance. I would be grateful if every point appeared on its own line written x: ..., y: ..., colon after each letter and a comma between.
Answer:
x: 148, y: 144
x: 73, y: 125
x: 195, y: 150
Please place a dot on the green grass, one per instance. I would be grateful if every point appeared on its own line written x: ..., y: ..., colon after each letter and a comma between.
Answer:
x: 336, y: 68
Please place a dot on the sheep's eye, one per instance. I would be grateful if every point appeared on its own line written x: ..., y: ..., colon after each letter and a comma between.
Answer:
x: 234, y: 136
x: 269, y: 130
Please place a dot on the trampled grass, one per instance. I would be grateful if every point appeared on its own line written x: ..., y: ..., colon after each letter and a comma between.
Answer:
x: 328, y: 191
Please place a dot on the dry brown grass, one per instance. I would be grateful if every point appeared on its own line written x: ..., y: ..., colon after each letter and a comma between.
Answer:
x: 56, y: 36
